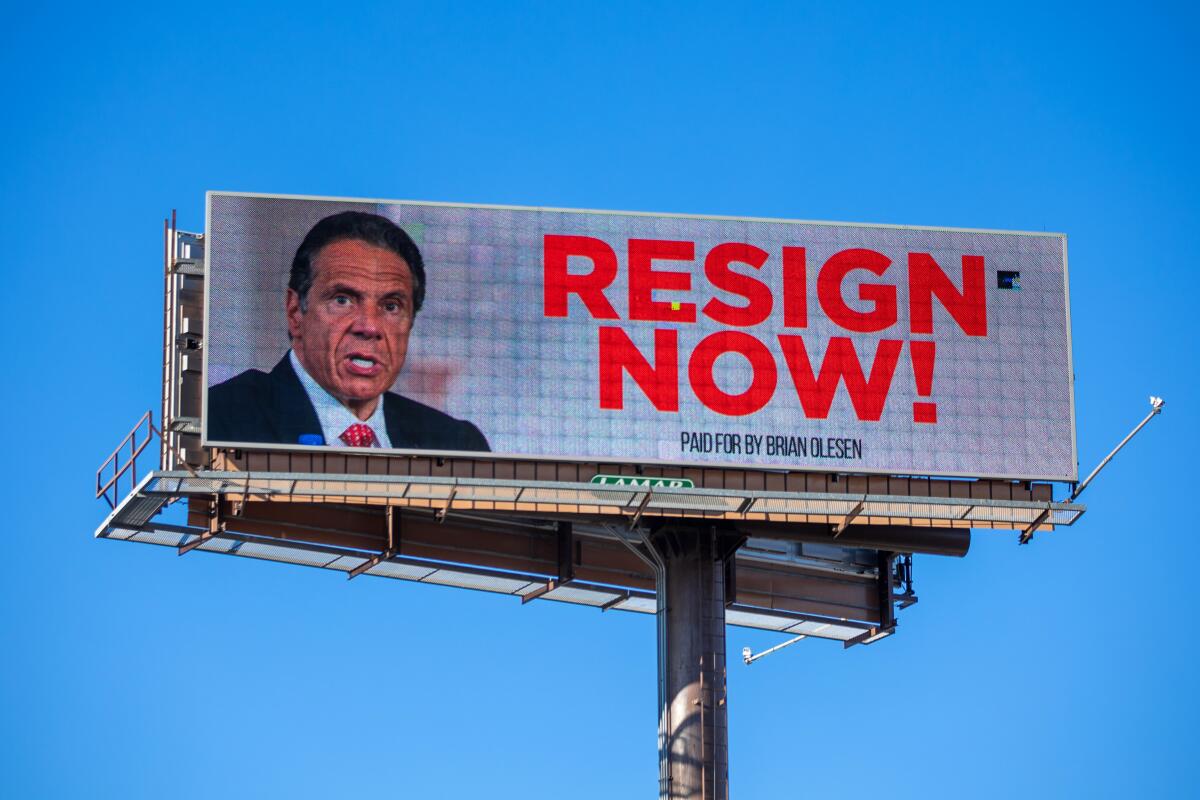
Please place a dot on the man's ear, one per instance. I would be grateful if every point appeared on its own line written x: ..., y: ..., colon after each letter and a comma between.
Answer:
x: 294, y: 313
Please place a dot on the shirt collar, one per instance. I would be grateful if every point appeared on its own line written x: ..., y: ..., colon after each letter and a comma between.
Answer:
x: 333, y: 416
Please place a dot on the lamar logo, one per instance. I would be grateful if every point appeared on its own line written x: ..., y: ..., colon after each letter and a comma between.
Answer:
x: 643, y: 483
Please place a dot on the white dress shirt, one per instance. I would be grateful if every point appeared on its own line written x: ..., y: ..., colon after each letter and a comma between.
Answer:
x: 334, y: 417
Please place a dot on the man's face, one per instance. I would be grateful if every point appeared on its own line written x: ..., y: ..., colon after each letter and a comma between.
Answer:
x: 353, y: 337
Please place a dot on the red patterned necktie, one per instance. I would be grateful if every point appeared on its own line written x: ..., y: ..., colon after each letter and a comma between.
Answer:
x: 359, y: 435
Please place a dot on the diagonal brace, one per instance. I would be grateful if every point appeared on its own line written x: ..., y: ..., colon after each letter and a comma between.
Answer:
x: 845, y: 523
x: 392, y: 523
x: 216, y: 526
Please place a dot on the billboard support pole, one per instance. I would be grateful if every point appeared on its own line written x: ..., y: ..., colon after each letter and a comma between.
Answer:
x: 693, y: 720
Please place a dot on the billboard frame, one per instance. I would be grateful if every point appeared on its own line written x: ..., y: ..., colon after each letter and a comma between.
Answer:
x: 681, y: 463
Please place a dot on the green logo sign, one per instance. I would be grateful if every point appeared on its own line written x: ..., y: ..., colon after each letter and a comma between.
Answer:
x: 643, y: 483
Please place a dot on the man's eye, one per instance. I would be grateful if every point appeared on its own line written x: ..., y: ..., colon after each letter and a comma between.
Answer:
x: 341, y: 300
x: 392, y: 307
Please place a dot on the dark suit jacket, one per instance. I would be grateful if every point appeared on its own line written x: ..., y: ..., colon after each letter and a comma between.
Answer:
x: 273, y: 408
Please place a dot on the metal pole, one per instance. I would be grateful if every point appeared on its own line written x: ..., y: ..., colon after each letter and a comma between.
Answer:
x: 652, y: 559
x: 1156, y: 407
x: 695, y: 716
x: 750, y: 657
x: 664, y: 710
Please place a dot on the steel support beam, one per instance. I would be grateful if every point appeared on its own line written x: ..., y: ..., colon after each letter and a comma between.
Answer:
x: 216, y: 526
x: 896, y: 538
x: 693, y: 712
x: 566, y: 552
x: 549, y: 587
x: 566, y: 563
x: 853, y: 515
x: 441, y: 514
x: 391, y: 524
x: 887, y: 611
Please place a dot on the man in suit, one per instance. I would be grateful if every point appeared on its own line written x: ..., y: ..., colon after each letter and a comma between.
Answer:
x: 356, y: 284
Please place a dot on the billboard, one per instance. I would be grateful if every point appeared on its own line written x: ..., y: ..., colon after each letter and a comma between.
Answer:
x: 572, y: 335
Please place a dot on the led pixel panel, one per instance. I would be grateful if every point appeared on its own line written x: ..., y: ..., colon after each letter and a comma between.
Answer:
x: 630, y: 337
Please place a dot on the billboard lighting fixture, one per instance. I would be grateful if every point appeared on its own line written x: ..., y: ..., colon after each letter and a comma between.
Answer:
x: 750, y: 657
x: 1156, y: 407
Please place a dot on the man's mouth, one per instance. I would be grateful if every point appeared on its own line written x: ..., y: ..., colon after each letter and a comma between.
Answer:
x: 363, y: 365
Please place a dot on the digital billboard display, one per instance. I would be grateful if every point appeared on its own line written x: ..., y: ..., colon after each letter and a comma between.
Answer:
x: 628, y: 337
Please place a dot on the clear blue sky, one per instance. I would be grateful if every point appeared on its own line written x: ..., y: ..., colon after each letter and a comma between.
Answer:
x: 1064, y: 669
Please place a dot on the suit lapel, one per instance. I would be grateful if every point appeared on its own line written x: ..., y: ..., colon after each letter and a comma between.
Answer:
x: 397, y: 422
x: 292, y: 413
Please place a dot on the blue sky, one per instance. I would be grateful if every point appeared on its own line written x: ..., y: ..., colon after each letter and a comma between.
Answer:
x: 1064, y: 669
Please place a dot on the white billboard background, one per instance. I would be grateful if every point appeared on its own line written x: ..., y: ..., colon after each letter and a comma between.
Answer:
x: 482, y: 348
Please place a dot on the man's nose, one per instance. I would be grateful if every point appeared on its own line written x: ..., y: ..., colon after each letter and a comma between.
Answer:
x: 367, y: 322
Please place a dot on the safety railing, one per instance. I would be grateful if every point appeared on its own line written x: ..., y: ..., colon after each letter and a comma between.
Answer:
x: 122, y: 462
